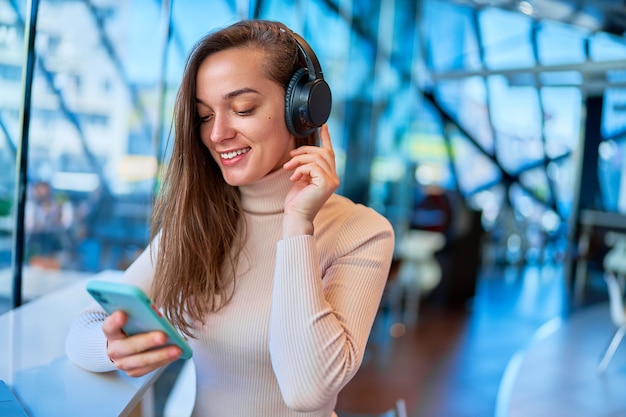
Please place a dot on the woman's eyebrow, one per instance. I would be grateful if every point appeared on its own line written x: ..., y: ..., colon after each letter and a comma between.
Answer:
x: 233, y: 94
x: 239, y: 92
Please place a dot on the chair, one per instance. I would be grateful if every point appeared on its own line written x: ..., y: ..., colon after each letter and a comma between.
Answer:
x: 614, y: 275
x: 419, y: 272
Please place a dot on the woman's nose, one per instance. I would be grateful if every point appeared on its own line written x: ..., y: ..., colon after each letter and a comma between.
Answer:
x: 221, y: 128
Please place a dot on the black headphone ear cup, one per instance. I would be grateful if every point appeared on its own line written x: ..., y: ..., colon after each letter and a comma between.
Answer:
x: 293, y: 103
x: 319, y: 102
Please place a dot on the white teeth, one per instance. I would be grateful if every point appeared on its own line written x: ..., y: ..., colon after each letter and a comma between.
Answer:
x: 231, y: 155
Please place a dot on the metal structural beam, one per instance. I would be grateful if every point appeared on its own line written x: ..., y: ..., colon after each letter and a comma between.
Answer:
x: 587, y: 68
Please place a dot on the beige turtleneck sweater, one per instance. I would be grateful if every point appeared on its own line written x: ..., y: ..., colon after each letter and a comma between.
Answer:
x: 295, y: 331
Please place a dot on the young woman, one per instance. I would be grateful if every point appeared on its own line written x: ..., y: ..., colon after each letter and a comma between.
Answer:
x: 274, y: 279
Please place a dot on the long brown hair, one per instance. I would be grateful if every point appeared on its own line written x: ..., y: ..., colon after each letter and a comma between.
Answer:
x: 197, y: 214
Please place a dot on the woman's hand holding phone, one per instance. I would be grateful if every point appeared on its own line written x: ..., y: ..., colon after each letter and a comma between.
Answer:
x: 140, y: 354
x: 139, y: 338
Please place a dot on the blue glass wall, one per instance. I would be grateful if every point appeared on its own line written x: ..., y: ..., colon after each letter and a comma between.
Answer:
x: 487, y: 104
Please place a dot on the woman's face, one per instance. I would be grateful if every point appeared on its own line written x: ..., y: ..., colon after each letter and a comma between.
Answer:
x: 242, y: 116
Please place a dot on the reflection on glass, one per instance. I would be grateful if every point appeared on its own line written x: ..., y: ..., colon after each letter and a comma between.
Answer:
x: 466, y: 100
x: 558, y: 43
x: 92, y: 156
x: 606, y: 47
x: 536, y: 182
x: 562, y: 109
x: 101, y: 112
x: 452, y: 43
x: 469, y: 158
x: 516, y: 119
x: 561, y: 174
x: 505, y: 37
x: 425, y: 146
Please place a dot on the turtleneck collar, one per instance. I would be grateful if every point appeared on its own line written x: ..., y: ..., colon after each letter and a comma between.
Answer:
x: 266, y: 196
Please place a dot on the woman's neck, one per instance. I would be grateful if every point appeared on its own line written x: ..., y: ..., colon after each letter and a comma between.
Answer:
x: 266, y: 196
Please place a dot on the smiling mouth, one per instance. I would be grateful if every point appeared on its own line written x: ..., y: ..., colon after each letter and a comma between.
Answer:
x: 231, y: 155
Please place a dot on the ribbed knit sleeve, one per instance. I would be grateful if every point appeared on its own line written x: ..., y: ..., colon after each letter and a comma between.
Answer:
x: 85, y: 344
x: 325, y: 299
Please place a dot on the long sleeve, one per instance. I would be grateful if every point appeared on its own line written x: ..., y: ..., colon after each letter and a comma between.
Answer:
x: 85, y: 344
x: 324, y: 303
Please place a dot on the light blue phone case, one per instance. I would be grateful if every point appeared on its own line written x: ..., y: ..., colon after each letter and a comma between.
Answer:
x: 143, y: 315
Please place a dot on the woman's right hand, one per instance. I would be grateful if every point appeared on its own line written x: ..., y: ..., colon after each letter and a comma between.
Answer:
x: 136, y: 355
x: 314, y: 180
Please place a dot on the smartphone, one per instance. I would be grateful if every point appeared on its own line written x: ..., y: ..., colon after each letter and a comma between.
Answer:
x: 143, y: 315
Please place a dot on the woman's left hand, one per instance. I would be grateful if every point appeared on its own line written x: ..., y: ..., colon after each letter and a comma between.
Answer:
x: 314, y: 181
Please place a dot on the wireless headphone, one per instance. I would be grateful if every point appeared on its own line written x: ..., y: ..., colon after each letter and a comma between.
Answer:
x: 307, y: 98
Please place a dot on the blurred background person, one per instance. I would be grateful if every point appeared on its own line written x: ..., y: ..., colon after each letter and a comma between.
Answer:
x: 47, y: 223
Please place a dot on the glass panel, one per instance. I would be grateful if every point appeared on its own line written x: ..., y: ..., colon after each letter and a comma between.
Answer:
x: 466, y: 100
x: 536, y: 182
x: 286, y: 12
x: 605, y: 47
x: 516, y: 120
x: 506, y: 39
x: 425, y: 146
x: 99, y: 107
x: 400, y: 153
x: 92, y: 159
x: 188, y: 24
x: 560, y: 44
x: 468, y: 158
x: 191, y: 21
x: 346, y: 55
x: 397, y: 108
x: 616, y: 76
x: 11, y: 62
x: 561, y: 174
x: 562, y: 109
x: 449, y: 30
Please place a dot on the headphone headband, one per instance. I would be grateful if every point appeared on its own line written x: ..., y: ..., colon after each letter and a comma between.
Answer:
x: 313, y: 65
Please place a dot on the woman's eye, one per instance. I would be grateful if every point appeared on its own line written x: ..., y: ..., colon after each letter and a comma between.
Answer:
x: 206, y: 118
x: 245, y: 112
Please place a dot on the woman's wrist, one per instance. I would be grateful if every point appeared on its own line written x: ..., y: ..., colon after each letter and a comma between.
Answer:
x: 296, y: 226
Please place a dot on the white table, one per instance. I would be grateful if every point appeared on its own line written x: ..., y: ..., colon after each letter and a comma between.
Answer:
x: 34, y: 365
